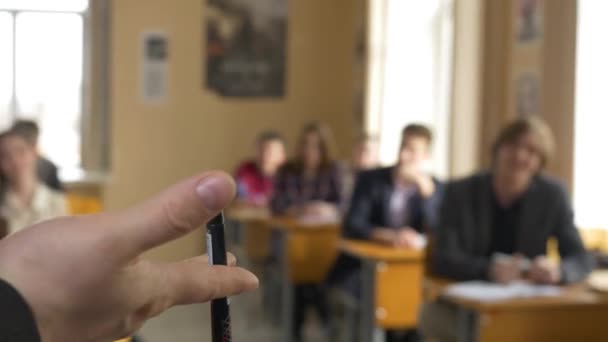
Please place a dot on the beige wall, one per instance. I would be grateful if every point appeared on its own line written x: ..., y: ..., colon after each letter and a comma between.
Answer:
x: 153, y: 146
x: 557, y: 66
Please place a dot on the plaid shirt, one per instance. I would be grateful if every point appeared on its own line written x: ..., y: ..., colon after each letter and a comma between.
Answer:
x: 292, y: 189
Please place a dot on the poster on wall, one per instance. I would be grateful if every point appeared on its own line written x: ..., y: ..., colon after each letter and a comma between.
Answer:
x: 528, y: 21
x: 245, y: 47
x: 527, y: 93
x: 154, y: 67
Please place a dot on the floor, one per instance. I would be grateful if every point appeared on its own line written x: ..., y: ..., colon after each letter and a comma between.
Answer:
x: 192, y: 324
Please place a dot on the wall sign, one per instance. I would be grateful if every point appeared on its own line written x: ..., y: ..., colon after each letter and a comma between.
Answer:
x: 154, y: 67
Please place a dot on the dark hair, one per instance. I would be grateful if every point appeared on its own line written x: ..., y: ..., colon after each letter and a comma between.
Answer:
x: 12, y: 133
x: 27, y: 129
x: 326, y: 145
x: 516, y: 129
x: 268, y: 136
x: 417, y: 130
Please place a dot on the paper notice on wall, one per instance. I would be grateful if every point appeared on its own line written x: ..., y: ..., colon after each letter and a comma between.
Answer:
x: 154, y: 67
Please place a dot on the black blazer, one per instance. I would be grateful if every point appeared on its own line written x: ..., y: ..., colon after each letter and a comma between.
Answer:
x: 370, y: 205
x: 17, y: 322
x: 463, y: 236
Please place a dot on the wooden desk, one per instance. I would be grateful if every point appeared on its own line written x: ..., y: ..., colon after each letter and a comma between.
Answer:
x: 254, y: 230
x: 578, y: 314
x: 391, y: 287
x: 307, y: 252
x: 248, y: 214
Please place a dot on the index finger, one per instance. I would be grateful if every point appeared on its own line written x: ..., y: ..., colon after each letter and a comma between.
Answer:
x: 173, y: 213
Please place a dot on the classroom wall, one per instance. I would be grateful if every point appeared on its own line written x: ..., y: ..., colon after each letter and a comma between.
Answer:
x: 154, y: 146
x: 557, y: 82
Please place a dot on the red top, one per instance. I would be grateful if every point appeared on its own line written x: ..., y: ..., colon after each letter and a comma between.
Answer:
x: 252, y: 185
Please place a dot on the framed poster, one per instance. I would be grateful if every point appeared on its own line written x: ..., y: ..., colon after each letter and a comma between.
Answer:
x: 245, y: 47
x: 528, y: 21
x: 527, y: 93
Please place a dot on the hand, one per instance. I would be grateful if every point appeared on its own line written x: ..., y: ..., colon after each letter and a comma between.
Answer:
x: 423, y: 182
x: 320, y: 209
x: 426, y: 186
x: 544, y: 271
x: 505, y: 271
x: 407, y: 238
x: 83, y: 276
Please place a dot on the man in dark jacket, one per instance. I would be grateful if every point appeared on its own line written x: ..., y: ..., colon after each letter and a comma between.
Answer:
x: 495, y: 225
x: 393, y: 206
x: 398, y: 204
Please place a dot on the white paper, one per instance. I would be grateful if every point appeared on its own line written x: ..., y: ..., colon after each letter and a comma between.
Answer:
x: 154, y: 67
x: 492, y: 292
x: 316, y: 220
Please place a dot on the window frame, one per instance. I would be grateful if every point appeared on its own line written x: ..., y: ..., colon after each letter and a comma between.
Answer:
x: 91, y: 112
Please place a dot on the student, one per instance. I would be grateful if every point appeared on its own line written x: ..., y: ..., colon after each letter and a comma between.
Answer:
x: 254, y: 178
x: 47, y: 171
x: 397, y: 204
x: 513, y: 210
x: 364, y: 157
x: 25, y: 200
x: 392, y: 206
x: 309, y: 186
x: 85, y: 276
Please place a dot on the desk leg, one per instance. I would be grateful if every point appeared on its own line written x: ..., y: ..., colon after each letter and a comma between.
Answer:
x: 286, y: 293
x: 368, y: 331
x: 467, y: 326
x: 234, y: 230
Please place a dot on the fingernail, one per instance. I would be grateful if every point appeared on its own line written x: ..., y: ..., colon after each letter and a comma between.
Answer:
x: 210, y: 190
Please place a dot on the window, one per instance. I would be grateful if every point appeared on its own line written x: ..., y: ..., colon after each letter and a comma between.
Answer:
x: 590, y: 164
x: 41, y: 72
x: 409, y: 73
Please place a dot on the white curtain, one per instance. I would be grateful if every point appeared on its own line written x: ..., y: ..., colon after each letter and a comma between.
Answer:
x: 409, y: 73
x: 591, y: 132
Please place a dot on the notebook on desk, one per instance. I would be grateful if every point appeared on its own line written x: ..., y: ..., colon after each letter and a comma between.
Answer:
x: 492, y: 292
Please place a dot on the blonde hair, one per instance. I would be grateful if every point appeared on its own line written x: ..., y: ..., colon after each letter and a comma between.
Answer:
x: 534, y: 125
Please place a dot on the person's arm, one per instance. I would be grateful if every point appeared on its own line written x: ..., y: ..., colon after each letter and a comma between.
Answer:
x: 576, y: 263
x: 17, y: 322
x: 282, y: 202
x: 431, y: 207
x: 357, y: 223
x: 335, y: 191
x: 450, y: 258
x: 242, y: 189
x: 85, y: 275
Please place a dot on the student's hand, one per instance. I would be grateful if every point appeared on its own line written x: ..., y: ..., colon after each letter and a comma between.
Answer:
x: 544, y: 271
x: 83, y: 276
x: 505, y: 271
x: 407, y: 238
x: 423, y: 182
x: 320, y: 209
x: 426, y: 186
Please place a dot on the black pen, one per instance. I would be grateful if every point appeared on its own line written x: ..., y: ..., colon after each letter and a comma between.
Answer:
x: 220, y: 310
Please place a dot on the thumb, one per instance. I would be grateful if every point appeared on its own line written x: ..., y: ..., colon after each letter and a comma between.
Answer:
x: 173, y: 213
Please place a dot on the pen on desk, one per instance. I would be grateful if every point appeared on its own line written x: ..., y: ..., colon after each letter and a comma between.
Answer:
x: 220, y: 310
